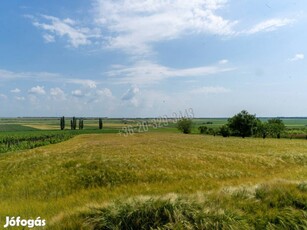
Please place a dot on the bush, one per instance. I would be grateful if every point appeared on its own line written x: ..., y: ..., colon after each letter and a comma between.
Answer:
x: 225, y: 131
x: 276, y: 127
x: 203, y: 129
x: 212, y: 131
x: 185, y: 125
x: 243, y: 124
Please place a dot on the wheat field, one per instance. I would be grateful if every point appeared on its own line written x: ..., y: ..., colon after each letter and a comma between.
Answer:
x: 58, y: 181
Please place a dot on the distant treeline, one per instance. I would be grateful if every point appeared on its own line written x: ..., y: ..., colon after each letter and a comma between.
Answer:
x: 244, y: 124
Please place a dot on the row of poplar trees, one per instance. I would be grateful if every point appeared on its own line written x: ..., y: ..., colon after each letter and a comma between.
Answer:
x: 73, y: 123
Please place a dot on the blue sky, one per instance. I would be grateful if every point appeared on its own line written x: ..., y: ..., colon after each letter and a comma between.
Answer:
x: 133, y: 58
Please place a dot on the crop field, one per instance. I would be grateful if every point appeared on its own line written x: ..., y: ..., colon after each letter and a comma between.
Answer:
x: 101, y: 180
x: 15, y: 127
x: 124, y: 174
x: 296, y: 122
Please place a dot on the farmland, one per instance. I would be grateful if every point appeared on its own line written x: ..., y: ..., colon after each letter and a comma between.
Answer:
x: 116, y: 124
x: 201, y: 181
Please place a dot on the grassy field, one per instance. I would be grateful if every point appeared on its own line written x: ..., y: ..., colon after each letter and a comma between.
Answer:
x: 144, y: 173
x: 75, y: 183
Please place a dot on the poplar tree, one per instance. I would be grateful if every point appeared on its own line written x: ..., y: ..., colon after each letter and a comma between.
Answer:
x: 73, y: 123
x: 62, y: 123
x: 100, y: 123
x: 81, y: 124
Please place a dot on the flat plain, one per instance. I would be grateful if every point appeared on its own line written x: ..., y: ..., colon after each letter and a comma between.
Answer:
x: 62, y: 182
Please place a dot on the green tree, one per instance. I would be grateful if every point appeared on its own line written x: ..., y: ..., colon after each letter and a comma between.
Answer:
x: 62, y: 123
x: 81, y: 124
x: 185, y: 125
x: 243, y: 124
x: 275, y: 127
x: 73, y: 123
x: 100, y: 123
x: 262, y: 129
x: 224, y: 131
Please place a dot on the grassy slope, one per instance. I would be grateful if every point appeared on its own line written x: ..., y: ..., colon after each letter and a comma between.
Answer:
x: 98, y: 168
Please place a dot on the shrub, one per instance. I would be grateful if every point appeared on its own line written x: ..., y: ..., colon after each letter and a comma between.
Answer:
x: 212, y: 131
x: 185, y: 125
x: 203, y: 129
x: 225, y: 131
x: 275, y: 127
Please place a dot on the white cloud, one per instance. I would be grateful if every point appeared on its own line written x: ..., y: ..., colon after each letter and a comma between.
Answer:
x: 49, y: 38
x: 85, y: 82
x: 57, y: 93
x: 3, y: 96
x: 133, y: 24
x: 77, y: 93
x: 145, y: 72
x: 297, y: 57
x: 104, y: 92
x: 131, y: 93
x: 7, y: 75
x: 269, y: 25
x: 131, y: 96
x: 16, y: 90
x: 46, y: 77
x: 39, y: 90
x: 210, y: 90
x: 10, y: 75
x: 56, y: 27
x: 20, y: 98
x: 224, y: 61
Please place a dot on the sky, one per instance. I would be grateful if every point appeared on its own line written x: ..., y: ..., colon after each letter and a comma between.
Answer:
x: 150, y: 58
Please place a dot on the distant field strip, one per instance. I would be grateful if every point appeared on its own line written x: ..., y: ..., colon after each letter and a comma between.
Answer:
x: 43, y: 126
x: 15, y: 127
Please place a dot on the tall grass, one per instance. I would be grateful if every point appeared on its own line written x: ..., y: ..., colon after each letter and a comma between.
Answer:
x: 270, y: 206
